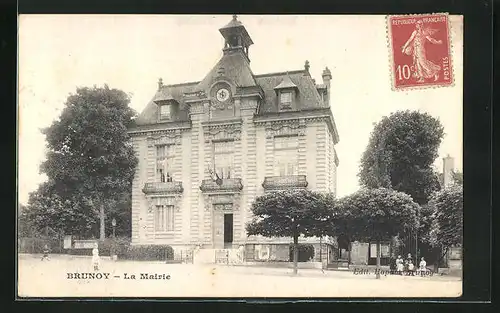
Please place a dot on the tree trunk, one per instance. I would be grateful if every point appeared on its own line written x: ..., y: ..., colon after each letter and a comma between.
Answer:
x: 377, y: 275
x: 295, y: 253
x: 102, y: 234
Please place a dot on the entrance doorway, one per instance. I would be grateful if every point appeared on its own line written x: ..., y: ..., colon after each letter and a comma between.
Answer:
x: 228, y: 230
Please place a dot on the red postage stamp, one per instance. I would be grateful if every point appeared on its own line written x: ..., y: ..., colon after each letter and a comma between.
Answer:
x: 421, y: 51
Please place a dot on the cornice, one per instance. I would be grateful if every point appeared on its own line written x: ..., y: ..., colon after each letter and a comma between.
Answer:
x: 159, y: 128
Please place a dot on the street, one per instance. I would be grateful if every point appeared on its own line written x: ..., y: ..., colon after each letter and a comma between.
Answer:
x: 62, y: 277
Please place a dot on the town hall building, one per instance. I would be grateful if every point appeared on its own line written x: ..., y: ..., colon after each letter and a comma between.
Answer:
x: 207, y: 149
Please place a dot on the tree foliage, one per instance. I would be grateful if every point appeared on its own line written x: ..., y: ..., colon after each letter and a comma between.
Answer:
x: 447, y: 216
x: 400, y: 154
x: 290, y: 213
x: 90, y: 162
x: 375, y: 214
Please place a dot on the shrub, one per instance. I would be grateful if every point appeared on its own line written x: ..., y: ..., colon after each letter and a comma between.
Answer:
x: 149, y: 253
x: 118, y: 246
x: 306, y: 252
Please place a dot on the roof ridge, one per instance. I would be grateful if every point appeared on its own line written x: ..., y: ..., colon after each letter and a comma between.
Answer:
x: 181, y: 84
x: 280, y: 73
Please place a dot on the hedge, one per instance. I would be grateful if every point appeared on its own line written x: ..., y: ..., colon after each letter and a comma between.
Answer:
x: 125, y: 251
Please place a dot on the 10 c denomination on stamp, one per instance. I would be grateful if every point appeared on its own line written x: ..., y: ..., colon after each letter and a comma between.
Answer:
x: 420, y: 50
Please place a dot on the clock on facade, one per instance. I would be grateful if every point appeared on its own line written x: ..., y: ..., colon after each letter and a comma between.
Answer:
x: 222, y: 95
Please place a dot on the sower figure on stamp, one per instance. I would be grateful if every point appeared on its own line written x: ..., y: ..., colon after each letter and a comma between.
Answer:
x: 415, y: 46
x: 95, y: 257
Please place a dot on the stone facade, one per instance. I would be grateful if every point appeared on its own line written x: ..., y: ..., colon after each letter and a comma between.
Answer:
x: 201, y: 168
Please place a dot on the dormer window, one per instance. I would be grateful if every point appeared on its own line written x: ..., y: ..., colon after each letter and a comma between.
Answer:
x: 165, y: 112
x: 286, y: 92
x: 285, y: 100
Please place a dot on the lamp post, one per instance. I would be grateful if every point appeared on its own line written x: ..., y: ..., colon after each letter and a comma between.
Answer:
x: 113, y: 223
x: 113, y: 252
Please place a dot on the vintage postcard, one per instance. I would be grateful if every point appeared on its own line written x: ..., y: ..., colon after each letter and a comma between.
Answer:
x: 167, y: 156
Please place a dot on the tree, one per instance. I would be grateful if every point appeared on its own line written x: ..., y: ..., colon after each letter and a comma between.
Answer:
x: 90, y: 160
x: 289, y: 213
x: 400, y: 154
x: 46, y: 209
x: 25, y: 227
x: 458, y: 178
x: 374, y: 214
x: 447, y: 218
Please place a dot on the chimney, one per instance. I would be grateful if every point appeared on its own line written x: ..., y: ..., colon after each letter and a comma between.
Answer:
x: 448, y: 167
x: 160, y: 83
x: 306, y: 67
x: 327, y: 77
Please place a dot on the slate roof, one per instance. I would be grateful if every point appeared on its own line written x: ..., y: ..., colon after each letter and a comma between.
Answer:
x: 235, y: 67
x: 150, y: 113
x: 308, y: 96
x: 286, y: 83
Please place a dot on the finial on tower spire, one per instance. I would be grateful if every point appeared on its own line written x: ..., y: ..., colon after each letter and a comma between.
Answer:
x: 235, y: 17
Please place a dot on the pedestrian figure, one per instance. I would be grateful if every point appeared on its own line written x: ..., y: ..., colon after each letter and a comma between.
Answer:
x: 407, y: 263
x: 46, y: 251
x: 411, y: 268
x: 399, y: 265
x: 95, y: 257
x: 422, y: 266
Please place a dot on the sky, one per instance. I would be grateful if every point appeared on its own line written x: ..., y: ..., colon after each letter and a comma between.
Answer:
x: 58, y: 53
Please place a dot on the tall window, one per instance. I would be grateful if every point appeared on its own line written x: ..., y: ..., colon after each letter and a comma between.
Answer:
x: 164, y: 160
x: 286, y: 100
x: 164, y: 218
x: 165, y: 112
x: 223, y: 158
x: 286, y: 156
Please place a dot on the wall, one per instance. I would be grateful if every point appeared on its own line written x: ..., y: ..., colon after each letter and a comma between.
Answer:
x: 359, y: 253
x: 138, y: 201
x: 253, y: 162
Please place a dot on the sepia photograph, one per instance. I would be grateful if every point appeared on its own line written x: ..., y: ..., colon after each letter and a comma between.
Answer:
x: 240, y: 156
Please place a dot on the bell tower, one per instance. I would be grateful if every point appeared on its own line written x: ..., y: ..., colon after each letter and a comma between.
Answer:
x: 236, y: 38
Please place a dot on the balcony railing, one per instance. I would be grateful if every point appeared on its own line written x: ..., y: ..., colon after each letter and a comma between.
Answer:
x: 285, y: 182
x: 163, y: 188
x: 231, y: 184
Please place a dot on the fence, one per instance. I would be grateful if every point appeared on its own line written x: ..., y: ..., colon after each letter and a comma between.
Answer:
x: 184, y: 256
x: 229, y: 256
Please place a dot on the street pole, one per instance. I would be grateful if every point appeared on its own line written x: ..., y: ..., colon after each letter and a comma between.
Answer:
x: 113, y: 223
x: 416, y: 238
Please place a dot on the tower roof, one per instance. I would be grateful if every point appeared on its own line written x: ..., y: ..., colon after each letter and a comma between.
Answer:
x: 235, y: 26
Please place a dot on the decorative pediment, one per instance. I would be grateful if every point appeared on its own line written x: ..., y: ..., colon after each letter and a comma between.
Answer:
x: 168, y: 200
x: 285, y: 128
x: 222, y: 131
x: 168, y: 137
x: 227, y: 202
